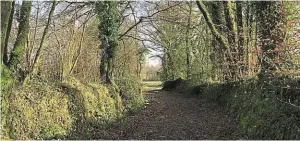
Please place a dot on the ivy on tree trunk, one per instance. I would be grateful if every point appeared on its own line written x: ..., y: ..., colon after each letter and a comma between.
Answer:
x: 109, y: 33
x: 271, y: 32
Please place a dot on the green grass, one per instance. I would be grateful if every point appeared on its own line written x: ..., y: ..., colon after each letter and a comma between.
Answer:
x: 152, y: 85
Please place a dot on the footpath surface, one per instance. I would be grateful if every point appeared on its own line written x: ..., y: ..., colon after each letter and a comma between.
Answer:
x: 172, y: 116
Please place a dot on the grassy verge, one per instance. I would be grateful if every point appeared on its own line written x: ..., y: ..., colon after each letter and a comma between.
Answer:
x: 152, y: 85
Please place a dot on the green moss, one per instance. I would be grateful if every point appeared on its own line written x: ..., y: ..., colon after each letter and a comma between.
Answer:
x: 6, y: 85
x: 213, y: 29
x: 52, y: 131
x: 94, y: 100
x: 38, y: 111
x: 49, y: 110
x: 6, y: 80
x: 19, y: 46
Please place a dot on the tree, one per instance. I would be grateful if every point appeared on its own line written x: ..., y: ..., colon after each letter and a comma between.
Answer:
x: 241, y: 35
x: 173, y: 42
x: 5, y: 51
x: 187, y: 42
x: 224, y: 42
x: 232, y: 38
x: 218, y: 55
x: 6, y: 7
x: 109, y: 33
x: 271, y: 32
x: 19, y: 46
x: 36, y: 61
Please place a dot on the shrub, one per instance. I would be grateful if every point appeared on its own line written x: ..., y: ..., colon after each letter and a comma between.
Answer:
x: 264, y: 110
x: 56, y: 110
x: 131, y: 92
x: 90, y: 104
x: 6, y: 85
x: 172, y: 84
x: 194, y: 86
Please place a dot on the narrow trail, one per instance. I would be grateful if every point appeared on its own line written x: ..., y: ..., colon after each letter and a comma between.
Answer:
x: 174, y: 116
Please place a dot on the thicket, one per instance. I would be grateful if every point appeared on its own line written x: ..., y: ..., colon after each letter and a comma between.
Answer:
x: 57, y: 110
x: 264, y: 110
x: 244, y: 55
x: 51, y: 87
x: 91, y: 55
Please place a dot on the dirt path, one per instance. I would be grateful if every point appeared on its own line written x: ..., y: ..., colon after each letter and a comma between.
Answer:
x: 173, y: 116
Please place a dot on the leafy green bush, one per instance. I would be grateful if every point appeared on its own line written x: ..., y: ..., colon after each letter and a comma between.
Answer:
x: 188, y: 86
x: 265, y: 110
x: 131, y: 92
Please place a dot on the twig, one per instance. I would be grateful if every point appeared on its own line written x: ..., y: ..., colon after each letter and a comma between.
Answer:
x: 142, y: 18
x: 289, y: 103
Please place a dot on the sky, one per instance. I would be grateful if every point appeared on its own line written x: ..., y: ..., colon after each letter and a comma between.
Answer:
x: 153, y: 61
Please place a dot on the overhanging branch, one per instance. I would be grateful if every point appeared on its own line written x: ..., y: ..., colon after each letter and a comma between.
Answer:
x: 142, y: 18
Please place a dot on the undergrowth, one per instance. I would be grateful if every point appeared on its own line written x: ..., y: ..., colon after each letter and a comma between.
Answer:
x: 71, y: 109
x: 131, y: 92
x: 265, y: 110
x: 37, y: 111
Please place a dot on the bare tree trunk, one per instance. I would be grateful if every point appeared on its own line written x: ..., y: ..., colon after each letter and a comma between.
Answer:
x: 188, y: 48
x: 79, y: 50
x: 30, y: 49
x: 37, y: 59
x: 248, y: 29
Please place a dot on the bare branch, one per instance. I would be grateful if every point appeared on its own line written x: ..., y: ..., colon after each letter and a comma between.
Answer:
x: 142, y: 19
x: 289, y: 103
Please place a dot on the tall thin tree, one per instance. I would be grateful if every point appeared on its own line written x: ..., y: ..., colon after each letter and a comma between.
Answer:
x: 36, y: 61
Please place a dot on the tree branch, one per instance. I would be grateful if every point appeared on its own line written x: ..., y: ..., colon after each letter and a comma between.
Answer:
x: 142, y: 18
x: 220, y: 38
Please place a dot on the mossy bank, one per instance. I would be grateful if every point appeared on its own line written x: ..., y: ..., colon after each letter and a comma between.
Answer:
x: 58, y: 110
